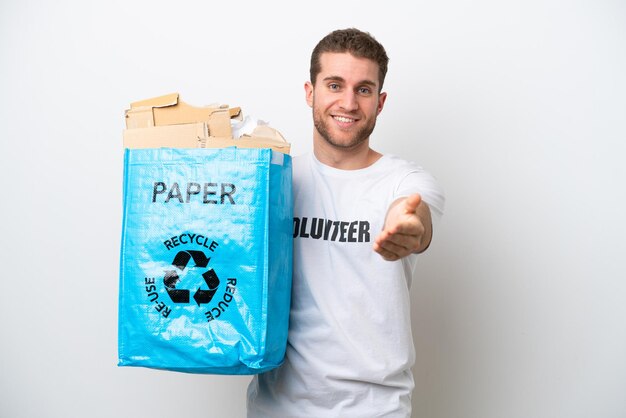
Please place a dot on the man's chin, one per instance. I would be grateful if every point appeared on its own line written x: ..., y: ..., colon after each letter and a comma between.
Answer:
x: 345, y: 144
x: 343, y: 140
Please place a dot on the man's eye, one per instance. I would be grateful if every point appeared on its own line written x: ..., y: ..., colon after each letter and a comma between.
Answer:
x: 365, y: 90
x: 333, y: 86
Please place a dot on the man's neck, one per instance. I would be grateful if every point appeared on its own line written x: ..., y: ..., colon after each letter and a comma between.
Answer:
x: 355, y: 158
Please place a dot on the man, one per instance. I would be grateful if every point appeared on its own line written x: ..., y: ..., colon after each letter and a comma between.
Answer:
x: 360, y: 219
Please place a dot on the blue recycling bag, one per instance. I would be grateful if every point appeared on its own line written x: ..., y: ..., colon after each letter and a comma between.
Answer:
x: 206, y: 260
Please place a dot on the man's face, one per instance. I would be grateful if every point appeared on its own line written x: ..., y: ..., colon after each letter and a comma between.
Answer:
x: 345, y: 100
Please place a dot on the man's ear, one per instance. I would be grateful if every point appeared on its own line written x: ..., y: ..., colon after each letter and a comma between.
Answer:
x: 381, y: 102
x: 308, y: 89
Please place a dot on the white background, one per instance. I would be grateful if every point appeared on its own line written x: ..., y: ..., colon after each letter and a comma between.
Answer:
x: 517, y: 107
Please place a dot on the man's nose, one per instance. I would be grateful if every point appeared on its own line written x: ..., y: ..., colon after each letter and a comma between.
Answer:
x: 349, y: 101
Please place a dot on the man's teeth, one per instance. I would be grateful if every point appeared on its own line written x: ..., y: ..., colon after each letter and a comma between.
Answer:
x: 342, y: 119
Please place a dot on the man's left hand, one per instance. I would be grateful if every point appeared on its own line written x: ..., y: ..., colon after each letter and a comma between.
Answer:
x: 407, y: 229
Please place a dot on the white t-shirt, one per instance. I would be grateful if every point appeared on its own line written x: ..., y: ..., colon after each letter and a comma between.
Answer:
x: 350, y: 348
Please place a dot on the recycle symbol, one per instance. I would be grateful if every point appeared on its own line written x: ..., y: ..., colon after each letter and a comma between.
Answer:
x: 171, y: 278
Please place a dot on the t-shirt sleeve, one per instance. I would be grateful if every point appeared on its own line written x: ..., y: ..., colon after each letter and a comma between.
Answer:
x: 417, y: 180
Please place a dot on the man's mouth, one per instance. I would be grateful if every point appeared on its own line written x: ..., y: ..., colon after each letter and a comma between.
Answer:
x: 343, y: 119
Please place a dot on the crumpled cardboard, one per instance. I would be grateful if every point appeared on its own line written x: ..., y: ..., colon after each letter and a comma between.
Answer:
x: 167, y: 121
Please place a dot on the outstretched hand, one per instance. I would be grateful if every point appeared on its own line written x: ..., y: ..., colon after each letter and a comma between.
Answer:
x: 407, y: 229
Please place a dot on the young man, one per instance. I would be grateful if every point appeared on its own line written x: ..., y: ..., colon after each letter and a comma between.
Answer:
x: 360, y: 219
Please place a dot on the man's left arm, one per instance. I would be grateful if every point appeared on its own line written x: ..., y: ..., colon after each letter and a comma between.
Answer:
x: 407, y: 230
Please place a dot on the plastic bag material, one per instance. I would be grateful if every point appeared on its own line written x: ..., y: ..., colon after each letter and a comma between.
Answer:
x: 206, y: 260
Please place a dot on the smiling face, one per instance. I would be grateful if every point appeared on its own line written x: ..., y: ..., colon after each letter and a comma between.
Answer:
x: 345, y: 100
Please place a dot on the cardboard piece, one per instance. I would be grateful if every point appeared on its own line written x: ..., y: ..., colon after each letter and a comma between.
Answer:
x: 167, y: 121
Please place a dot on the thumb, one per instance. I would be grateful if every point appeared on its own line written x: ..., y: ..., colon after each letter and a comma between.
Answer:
x: 412, y: 202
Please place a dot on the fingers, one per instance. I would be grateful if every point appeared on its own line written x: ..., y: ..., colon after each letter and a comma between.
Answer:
x: 409, y: 224
x: 403, y: 231
x: 410, y: 227
x: 387, y: 255
x: 400, y: 240
x: 412, y: 202
x: 395, y: 246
